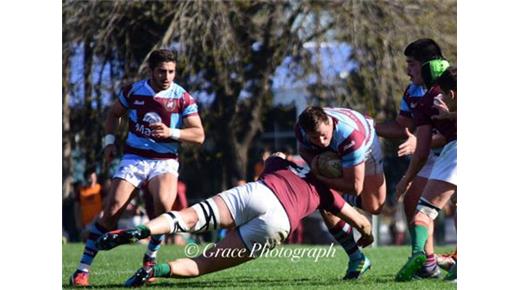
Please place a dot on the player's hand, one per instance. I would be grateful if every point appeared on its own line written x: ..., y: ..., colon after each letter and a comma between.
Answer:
x: 408, y: 146
x: 279, y: 154
x: 160, y: 130
x: 109, y: 152
x: 401, y: 188
x: 444, y: 110
x: 365, y: 240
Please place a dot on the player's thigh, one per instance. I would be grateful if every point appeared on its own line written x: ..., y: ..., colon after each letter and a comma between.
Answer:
x: 226, y: 219
x: 438, y: 192
x: 266, y: 231
x: 163, y: 189
x: 248, y: 201
x: 162, y: 182
x: 374, y: 187
x: 442, y: 183
x: 118, y: 198
x: 227, y: 253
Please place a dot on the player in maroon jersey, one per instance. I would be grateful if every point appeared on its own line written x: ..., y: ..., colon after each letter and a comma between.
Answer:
x: 264, y: 212
x: 442, y: 182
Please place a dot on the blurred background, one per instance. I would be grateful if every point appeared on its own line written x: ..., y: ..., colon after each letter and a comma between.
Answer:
x: 253, y: 66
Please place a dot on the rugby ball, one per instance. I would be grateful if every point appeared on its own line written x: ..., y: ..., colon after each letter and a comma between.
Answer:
x: 329, y: 165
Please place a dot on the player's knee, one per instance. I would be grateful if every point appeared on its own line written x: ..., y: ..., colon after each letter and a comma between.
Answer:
x: 427, y: 209
x: 175, y: 221
x: 208, y: 216
x: 112, y: 210
x: 375, y: 209
x: 358, y: 188
x: 163, y: 202
x: 185, y: 268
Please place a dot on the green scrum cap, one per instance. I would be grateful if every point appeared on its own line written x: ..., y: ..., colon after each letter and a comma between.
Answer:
x: 432, y: 70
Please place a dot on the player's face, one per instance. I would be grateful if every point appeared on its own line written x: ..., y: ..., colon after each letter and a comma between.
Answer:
x: 163, y: 75
x: 450, y: 99
x: 322, y: 136
x: 413, y: 70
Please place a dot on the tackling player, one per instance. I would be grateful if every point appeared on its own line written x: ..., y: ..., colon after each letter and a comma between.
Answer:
x: 264, y: 212
x: 352, y: 136
x: 161, y: 115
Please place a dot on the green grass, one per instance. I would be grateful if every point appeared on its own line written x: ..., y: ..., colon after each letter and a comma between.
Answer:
x: 112, y: 268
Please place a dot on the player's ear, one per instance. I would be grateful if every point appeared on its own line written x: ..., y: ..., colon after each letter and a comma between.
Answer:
x: 452, y: 94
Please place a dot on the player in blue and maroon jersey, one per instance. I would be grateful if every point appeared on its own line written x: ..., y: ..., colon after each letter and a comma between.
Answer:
x: 264, y: 212
x: 417, y: 52
x: 442, y: 182
x: 161, y: 115
x: 351, y: 135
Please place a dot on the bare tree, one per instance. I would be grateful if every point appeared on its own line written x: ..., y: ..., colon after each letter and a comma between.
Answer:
x: 228, y: 52
x: 378, y: 32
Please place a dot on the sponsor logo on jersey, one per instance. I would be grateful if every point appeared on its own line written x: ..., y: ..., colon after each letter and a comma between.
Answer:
x: 143, y: 129
x: 169, y: 104
x: 152, y: 118
x: 138, y: 103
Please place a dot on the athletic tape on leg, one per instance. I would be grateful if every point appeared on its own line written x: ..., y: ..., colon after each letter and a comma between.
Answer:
x: 176, y: 222
x: 427, y: 208
x: 208, y: 214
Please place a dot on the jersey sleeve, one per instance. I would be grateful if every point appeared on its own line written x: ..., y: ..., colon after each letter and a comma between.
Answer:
x: 404, y: 107
x: 330, y: 200
x: 190, y: 107
x: 424, y: 110
x: 124, y: 96
x: 351, y: 149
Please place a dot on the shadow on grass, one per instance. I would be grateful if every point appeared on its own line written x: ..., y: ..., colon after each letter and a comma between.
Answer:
x: 246, y: 282
x: 219, y: 283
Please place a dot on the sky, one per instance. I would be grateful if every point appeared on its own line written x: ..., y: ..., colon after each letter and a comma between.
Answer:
x: 333, y: 56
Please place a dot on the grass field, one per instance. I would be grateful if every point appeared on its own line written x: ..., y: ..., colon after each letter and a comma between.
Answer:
x: 112, y: 268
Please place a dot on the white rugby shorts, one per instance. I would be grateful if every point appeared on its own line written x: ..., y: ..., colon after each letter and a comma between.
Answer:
x: 258, y: 214
x: 426, y: 170
x: 445, y: 167
x: 136, y: 171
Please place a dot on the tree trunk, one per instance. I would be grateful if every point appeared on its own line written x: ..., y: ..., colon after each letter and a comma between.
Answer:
x: 67, y: 162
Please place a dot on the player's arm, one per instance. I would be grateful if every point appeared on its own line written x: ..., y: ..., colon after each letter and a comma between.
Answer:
x: 306, y: 153
x: 395, y: 129
x: 408, y: 146
x: 351, y: 181
x: 112, y: 122
x: 335, y: 204
x: 358, y: 221
x: 193, y: 132
x: 114, y: 116
x: 419, y: 158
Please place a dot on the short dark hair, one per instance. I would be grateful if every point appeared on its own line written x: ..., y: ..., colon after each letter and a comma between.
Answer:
x: 448, y: 80
x: 423, y: 50
x: 89, y: 170
x: 161, y: 55
x: 311, y: 118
